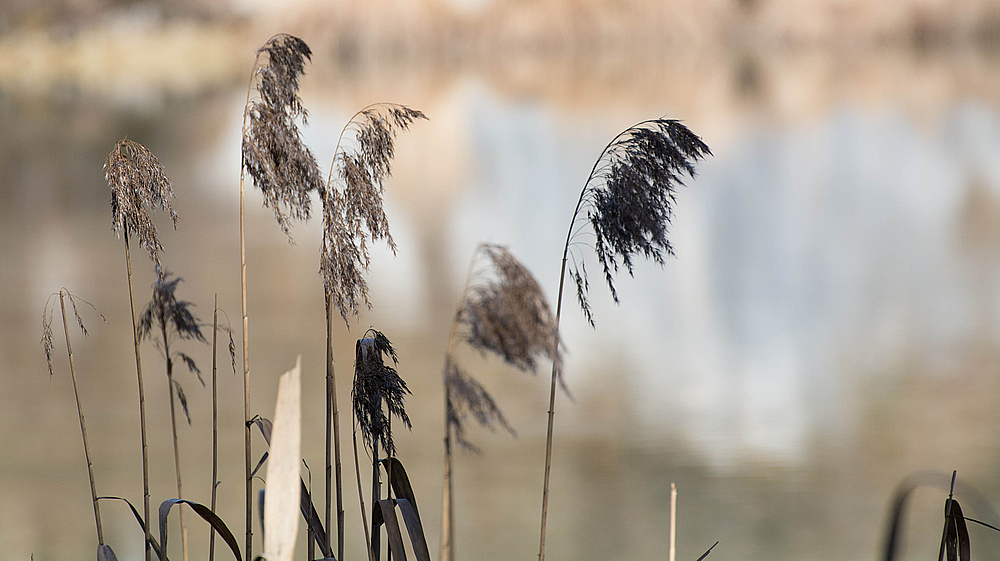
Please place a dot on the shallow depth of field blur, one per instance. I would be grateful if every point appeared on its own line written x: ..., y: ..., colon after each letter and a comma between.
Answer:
x: 830, y: 324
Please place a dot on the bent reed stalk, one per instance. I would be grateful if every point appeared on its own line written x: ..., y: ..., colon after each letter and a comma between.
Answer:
x: 629, y: 196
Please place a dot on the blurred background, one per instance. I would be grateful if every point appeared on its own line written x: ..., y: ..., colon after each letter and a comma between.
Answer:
x: 831, y: 322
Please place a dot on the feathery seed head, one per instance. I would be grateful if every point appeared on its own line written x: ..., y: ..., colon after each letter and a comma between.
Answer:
x: 282, y: 167
x: 378, y: 391
x: 138, y: 183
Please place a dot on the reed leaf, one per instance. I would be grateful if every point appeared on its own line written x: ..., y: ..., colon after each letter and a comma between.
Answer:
x: 281, y: 166
x: 206, y: 514
x: 105, y: 553
x: 704, y: 555
x: 283, y: 495
x: 138, y: 183
x: 378, y: 391
x: 142, y: 524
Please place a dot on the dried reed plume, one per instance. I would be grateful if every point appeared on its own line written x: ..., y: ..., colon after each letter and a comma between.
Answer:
x: 175, y: 322
x: 47, y: 343
x: 281, y: 166
x: 138, y: 183
x: 284, y: 170
x: 503, y: 312
x: 353, y: 213
x: 629, y: 198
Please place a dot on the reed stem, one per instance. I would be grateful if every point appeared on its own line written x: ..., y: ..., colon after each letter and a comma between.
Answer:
x: 215, y: 421
x: 83, y: 425
x: 246, y: 335
x: 173, y: 433
x: 673, y: 523
x: 361, y: 498
x: 332, y: 414
x: 142, y: 403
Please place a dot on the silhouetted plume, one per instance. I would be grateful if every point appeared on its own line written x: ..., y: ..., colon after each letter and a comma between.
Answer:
x: 378, y: 391
x: 506, y: 314
x: 138, y: 183
x: 173, y: 317
x: 282, y: 167
x: 48, y: 312
x: 353, y: 213
x: 630, y: 195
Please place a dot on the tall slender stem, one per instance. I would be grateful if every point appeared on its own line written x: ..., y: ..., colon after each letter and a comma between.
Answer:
x: 332, y: 414
x: 142, y: 402
x: 246, y: 334
x: 555, y: 369
x: 215, y: 421
x: 83, y: 425
x: 361, y: 497
x: 447, y: 498
x: 672, y: 556
x: 173, y: 433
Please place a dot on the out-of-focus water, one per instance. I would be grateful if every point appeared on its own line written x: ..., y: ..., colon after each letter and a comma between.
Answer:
x: 829, y: 325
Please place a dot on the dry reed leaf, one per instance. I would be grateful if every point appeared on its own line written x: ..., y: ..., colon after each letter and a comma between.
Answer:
x: 281, y: 166
x: 281, y: 519
x: 138, y: 184
x: 704, y: 555
x: 138, y: 518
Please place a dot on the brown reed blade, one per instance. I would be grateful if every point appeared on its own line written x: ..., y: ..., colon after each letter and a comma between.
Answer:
x: 206, y: 514
x: 104, y: 553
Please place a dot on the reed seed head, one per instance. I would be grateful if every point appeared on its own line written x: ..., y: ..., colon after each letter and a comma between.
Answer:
x: 353, y: 213
x: 48, y: 313
x: 138, y: 184
x: 281, y: 166
x: 504, y: 313
x: 378, y: 391
x: 630, y: 197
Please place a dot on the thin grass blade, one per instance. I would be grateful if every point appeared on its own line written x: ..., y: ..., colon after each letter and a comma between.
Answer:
x: 142, y: 524
x: 704, y: 555
x: 207, y: 515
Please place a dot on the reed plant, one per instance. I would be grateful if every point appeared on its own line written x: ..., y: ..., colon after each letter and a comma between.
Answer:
x: 628, y: 202
x: 175, y: 322
x: 353, y: 213
x: 48, y: 312
x: 282, y: 167
x: 503, y: 312
x: 138, y: 184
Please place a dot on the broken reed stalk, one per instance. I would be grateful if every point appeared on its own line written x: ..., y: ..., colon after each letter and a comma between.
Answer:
x: 629, y: 196
x: 79, y: 407
x: 673, y: 523
x: 215, y: 420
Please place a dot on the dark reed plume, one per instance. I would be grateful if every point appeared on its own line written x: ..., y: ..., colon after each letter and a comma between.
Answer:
x: 48, y: 311
x: 629, y: 198
x: 175, y: 322
x: 138, y: 183
x: 504, y: 312
x: 353, y: 213
x: 284, y: 170
x: 377, y: 394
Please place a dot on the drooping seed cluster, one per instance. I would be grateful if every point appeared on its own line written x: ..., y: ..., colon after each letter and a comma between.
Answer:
x: 138, y: 184
x: 281, y: 166
x: 378, y: 391
x: 353, y: 210
x: 630, y: 197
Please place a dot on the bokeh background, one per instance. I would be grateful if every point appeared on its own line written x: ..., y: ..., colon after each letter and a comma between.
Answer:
x: 831, y: 322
